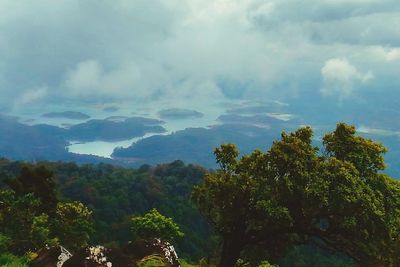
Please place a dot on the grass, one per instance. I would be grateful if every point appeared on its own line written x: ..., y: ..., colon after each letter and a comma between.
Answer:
x: 152, y: 261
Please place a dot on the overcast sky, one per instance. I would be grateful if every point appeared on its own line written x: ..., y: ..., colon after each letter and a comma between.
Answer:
x: 195, y: 51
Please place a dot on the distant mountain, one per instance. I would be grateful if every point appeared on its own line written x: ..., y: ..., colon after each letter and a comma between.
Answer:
x: 113, y: 129
x: 20, y: 141
x: 250, y: 127
x: 196, y: 145
x: 46, y: 142
x: 67, y: 115
x: 111, y: 109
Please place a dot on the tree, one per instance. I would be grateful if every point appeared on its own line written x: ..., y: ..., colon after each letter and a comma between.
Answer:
x: 311, y: 256
x: 37, y: 180
x: 31, y: 215
x: 292, y: 194
x: 155, y: 225
x: 364, y: 154
x: 21, y: 227
x: 40, y: 233
x: 73, y: 224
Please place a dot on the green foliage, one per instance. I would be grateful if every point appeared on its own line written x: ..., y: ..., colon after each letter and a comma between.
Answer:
x: 73, y: 224
x: 28, y: 222
x: 243, y: 263
x: 184, y: 263
x: 155, y: 225
x: 365, y: 155
x: 114, y: 194
x: 267, y: 264
x: 292, y: 194
x: 40, y: 232
x: 5, y: 242
x: 38, y: 181
x: 308, y: 256
x: 17, y: 215
x: 9, y: 260
x: 152, y: 261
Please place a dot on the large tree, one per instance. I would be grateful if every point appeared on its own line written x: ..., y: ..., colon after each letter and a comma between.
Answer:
x: 293, y: 194
x: 73, y: 224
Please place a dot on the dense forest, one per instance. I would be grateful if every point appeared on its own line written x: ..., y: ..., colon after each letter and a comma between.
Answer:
x: 115, y: 194
x: 293, y: 205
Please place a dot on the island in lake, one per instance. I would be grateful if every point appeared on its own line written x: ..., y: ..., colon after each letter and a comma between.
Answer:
x: 178, y: 114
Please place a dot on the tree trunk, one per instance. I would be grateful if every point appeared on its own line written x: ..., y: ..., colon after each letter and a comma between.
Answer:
x: 231, y: 249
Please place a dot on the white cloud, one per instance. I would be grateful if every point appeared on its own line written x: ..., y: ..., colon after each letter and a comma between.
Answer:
x: 393, y: 54
x: 33, y: 95
x: 86, y: 76
x: 387, y: 54
x: 145, y: 50
x: 89, y: 78
x: 341, y: 78
x: 30, y: 96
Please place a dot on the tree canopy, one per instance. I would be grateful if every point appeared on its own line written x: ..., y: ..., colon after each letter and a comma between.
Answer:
x: 37, y: 180
x: 114, y: 194
x: 294, y: 194
x: 155, y: 225
x: 31, y: 216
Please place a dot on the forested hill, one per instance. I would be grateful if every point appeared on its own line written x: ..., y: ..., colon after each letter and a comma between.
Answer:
x: 294, y: 203
x: 115, y: 194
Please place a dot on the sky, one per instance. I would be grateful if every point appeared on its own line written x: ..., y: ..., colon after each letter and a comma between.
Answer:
x: 195, y: 53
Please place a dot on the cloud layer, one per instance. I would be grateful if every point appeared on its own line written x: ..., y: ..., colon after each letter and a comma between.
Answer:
x: 341, y: 78
x: 195, y: 52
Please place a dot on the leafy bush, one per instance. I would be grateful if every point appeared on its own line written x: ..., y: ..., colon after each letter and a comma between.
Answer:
x: 9, y: 260
x: 155, y: 225
x: 266, y: 264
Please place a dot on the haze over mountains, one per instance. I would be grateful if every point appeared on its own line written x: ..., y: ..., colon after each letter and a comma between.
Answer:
x: 165, y: 80
x: 134, y: 141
